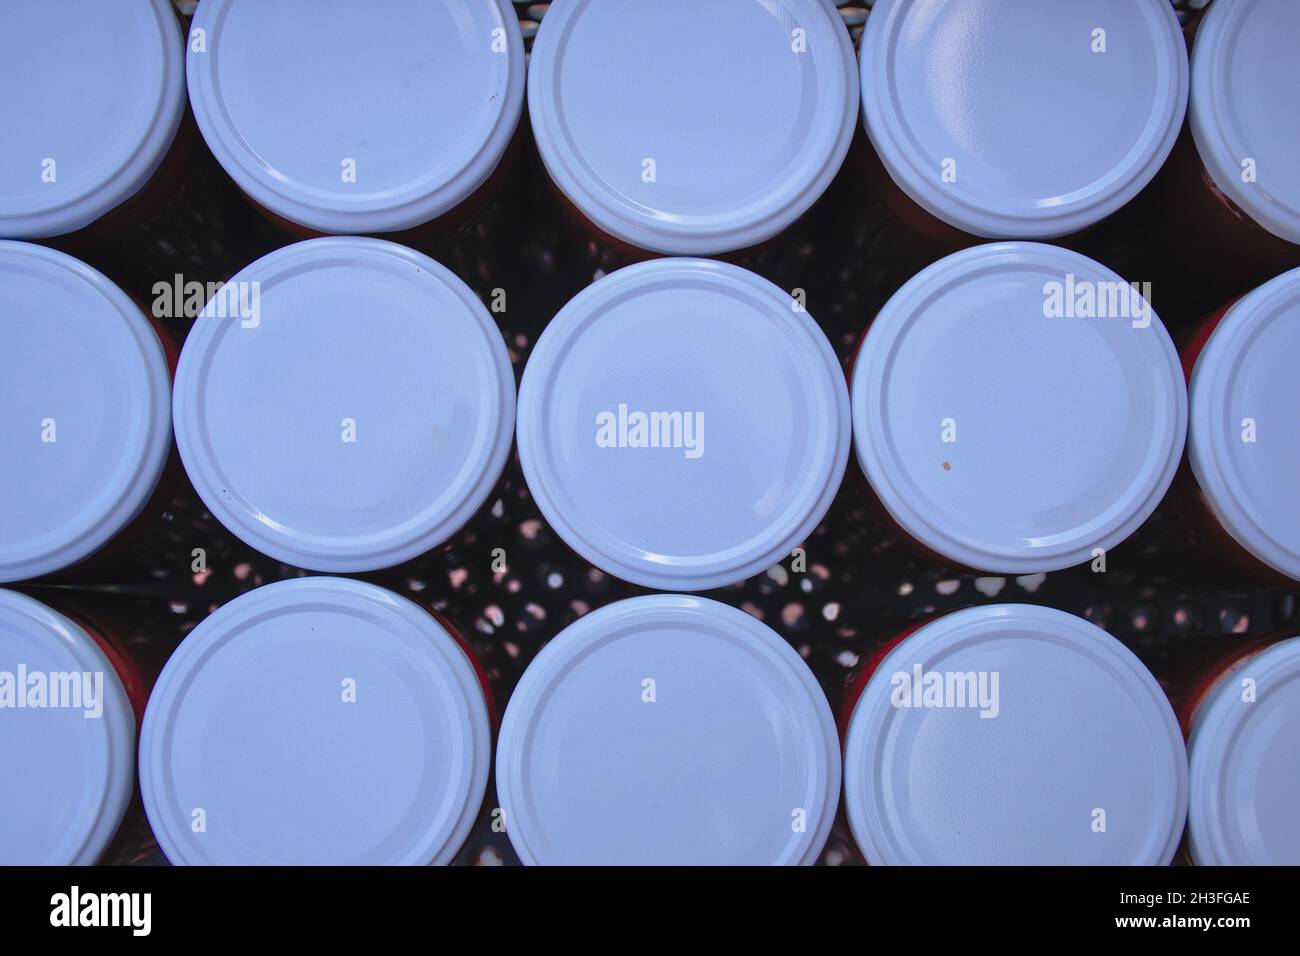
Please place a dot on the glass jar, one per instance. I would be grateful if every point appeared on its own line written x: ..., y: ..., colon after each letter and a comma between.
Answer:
x: 1017, y: 408
x: 316, y: 721
x: 686, y: 128
x: 683, y: 424
x: 344, y: 404
x: 86, y: 386
x: 668, y: 730
x: 1243, y: 446
x: 1012, y: 735
x: 344, y: 118
x: 71, y: 695
x: 1012, y: 119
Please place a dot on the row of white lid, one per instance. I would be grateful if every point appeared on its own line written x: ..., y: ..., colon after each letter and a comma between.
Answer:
x: 323, y: 720
x: 680, y: 127
x: 346, y: 404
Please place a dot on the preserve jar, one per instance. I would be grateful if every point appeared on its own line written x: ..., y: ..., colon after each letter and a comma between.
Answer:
x: 1017, y: 408
x: 338, y: 117
x: 316, y: 721
x: 92, y: 98
x: 85, y: 390
x: 1243, y: 446
x: 683, y: 424
x: 1242, y: 717
x: 1012, y: 735
x: 1012, y: 119
x: 99, y: 156
x: 1223, y: 216
x: 668, y: 730
x: 687, y: 128
x: 344, y: 404
x: 71, y: 694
